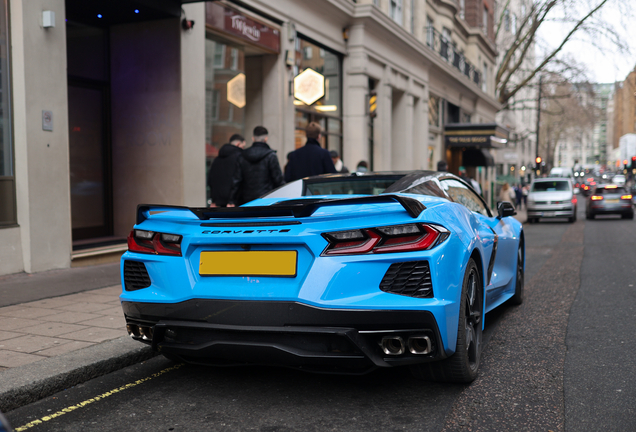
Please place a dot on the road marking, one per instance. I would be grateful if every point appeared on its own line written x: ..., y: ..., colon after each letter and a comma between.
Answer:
x: 95, y: 399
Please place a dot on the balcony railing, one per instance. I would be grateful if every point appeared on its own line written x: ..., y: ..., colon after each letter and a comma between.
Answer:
x: 443, y: 46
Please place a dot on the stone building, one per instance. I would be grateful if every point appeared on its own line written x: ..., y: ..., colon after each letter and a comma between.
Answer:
x: 110, y: 103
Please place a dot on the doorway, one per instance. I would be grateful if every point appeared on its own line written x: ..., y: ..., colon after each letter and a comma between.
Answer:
x: 89, y: 132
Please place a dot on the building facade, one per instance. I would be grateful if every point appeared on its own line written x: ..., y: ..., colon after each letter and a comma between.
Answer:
x: 116, y: 104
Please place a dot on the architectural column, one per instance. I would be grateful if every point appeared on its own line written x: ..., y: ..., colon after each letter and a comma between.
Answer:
x: 383, y: 123
x: 39, y: 82
x: 402, y: 131
x: 193, y: 107
x: 356, y: 140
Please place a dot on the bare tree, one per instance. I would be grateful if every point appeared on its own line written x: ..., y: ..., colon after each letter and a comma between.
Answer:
x: 518, y: 66
x: 568, y: 109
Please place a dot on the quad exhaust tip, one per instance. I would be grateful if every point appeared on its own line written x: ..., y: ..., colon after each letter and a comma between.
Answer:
x: 395, y: 345
x: 392, y: 345
x: 139, y: 332
x: 420, y: 345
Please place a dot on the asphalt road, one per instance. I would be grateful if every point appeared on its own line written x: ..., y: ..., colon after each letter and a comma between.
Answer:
x: 562, y: 361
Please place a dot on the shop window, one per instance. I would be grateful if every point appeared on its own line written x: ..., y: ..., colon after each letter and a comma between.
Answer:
x: 395, y: 11
x: 7, y: 179
x: 327, y: 110
x: 235, y: 59
x: 219, y: 56
x: 433, y: 110
x: 224, y: 95
x: 430, y: 31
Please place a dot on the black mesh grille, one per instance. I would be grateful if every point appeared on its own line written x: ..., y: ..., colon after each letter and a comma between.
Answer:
x: 135, y: 275
x: 412, y: 278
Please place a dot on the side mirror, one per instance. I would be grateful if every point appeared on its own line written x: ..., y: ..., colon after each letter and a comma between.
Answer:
x: 505, y: 209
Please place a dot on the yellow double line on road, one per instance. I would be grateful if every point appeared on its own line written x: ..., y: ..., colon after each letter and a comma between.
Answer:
x: 95, y: 399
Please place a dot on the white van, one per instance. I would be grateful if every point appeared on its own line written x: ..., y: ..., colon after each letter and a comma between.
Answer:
x: 562, y: 172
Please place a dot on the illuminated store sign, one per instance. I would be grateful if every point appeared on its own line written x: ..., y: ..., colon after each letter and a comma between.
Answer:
x: 309, y: 86
x: 236, y: 90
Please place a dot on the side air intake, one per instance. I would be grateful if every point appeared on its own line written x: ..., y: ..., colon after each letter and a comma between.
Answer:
x: 135, y: 275
x: 411, y: 278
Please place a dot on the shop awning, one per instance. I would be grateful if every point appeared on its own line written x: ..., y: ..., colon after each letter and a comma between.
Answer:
x: 484, y: 135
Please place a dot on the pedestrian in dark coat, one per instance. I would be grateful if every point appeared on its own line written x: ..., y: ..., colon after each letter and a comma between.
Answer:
x: 222, y: 171
x: 311, y: 159
x: 257, y: 171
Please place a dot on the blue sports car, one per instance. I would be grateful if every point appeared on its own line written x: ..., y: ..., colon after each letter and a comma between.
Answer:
x: 337, y: 273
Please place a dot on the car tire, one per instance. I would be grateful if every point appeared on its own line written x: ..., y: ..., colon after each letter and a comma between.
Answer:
x: 628, y: 216
x: 517, y: 298
x: 463, y: 366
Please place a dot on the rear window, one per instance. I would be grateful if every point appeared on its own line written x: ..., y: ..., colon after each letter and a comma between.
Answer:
x: 371, y: 186
x: 610, y: 191
x: 550, y: 186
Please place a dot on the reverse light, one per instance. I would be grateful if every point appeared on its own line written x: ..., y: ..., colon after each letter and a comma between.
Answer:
x: 396, y: 238
x: 154, y: 243
x: 626, y: 197
x: 596, y: 197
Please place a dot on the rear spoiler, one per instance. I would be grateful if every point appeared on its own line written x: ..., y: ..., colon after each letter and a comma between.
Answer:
x: 298, y: 210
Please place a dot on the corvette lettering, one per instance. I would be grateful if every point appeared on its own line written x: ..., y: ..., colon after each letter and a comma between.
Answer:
x: 271, y: 231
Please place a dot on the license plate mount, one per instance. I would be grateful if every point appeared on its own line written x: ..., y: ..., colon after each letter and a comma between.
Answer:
x: 248, y: 263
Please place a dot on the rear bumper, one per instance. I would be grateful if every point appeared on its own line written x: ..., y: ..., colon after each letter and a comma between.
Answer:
x: 623, y: 208
x: 225, y: 332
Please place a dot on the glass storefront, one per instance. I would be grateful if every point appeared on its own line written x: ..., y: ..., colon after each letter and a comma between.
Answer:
x: 224, y: 96
x: 327, y: 111
x: 7, y: 179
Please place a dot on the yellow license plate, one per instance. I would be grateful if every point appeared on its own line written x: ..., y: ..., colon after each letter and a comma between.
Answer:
x: 612, y: 201
x: 248, y: 263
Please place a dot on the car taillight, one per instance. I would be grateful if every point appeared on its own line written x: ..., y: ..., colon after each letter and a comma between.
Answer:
x: 396, y: 238
x: 596, y: 197
x: 573, y: 200
x: 626, y: 197
x: 154, y: 242
x: 586, y: 187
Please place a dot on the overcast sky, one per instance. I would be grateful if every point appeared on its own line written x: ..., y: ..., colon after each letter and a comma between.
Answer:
x: 604, y: 65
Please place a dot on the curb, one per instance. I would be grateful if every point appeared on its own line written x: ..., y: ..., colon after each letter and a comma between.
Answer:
x: 26, y: 384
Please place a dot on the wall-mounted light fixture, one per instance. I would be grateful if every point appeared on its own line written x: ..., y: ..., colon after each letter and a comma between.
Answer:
x: 48, y: 19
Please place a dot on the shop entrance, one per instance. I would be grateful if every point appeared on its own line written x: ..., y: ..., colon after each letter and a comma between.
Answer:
x: 89, y: 132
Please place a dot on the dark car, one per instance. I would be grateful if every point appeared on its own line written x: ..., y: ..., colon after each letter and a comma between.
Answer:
x: 610, y: 199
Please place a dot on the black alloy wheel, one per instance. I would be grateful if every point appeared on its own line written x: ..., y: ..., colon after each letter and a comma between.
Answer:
x: 517, y: 298
x: 461, y: 367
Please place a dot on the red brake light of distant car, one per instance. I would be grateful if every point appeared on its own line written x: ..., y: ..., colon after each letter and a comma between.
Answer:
x: 590, y: 179
x: 586, y: 187
x: 596, y: 197
x: 396, y: 238
x: 154, y: 243
x: 626, y: 197
x: 593, y: 183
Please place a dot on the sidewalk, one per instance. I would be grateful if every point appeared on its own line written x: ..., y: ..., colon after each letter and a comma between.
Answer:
x: 51, y: 340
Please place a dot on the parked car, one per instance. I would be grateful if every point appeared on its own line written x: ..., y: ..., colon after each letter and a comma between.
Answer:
x: 341, y: 273
x: 610, y: 199
x: 551, y: 197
